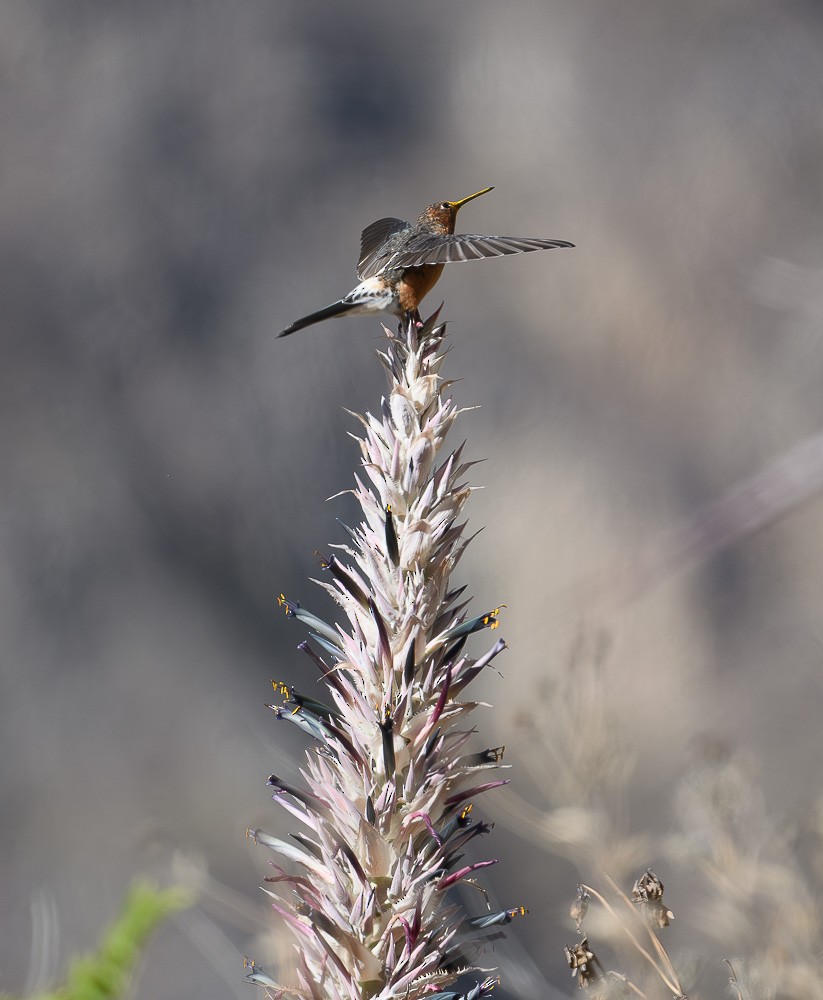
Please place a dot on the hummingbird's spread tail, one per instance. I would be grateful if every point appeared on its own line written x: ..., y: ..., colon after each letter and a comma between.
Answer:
x: 335, y: 309
x: 370, y: 296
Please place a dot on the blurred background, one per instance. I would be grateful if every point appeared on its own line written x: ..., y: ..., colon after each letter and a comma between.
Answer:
x: 179, y: 182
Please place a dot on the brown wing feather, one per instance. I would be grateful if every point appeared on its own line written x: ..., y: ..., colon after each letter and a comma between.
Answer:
x: 373, y: 245
x: 430, y: 248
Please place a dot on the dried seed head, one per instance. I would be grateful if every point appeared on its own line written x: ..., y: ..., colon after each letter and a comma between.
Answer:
x: 582, y: 961
x: 647, y: 892
x: 648, y: 886
x: 579, y: 907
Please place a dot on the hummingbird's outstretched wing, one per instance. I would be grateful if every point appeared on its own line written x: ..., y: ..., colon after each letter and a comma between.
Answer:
x: 376, y: 240
x: 431, y: 248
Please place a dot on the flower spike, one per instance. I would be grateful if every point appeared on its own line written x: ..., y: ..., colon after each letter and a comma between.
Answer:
x: 386, y: 829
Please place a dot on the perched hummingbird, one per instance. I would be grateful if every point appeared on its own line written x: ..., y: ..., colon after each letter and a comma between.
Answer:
x: 400, y: 262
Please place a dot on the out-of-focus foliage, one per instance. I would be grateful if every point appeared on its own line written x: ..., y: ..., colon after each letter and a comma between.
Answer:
x: 108, y: 973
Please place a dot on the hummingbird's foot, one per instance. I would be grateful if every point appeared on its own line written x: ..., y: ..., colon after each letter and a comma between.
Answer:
x: 411, y: 316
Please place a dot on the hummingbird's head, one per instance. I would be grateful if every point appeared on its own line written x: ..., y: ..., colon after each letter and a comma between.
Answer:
x: 441, y: 217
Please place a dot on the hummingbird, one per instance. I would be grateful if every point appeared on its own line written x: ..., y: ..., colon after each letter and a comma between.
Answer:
x: 400, y: 262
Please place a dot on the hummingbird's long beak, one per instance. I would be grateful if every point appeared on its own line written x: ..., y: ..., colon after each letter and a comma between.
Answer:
x: 457, y: 204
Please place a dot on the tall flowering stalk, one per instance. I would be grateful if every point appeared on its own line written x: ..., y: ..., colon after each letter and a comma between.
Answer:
x: 386, y: 818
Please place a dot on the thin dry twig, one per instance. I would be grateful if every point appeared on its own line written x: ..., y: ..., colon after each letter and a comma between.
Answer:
x: 733, y: 982
x: 661, y: 951
x: 673, y: 985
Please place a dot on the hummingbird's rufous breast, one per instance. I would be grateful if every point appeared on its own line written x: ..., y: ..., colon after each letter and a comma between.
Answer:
x: 415, y: 283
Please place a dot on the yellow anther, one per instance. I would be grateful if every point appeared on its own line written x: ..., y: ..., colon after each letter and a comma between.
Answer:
x: 280, y: 688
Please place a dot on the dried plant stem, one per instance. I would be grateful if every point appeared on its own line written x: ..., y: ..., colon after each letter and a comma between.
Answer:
x: 634, y: 987
x: 668, y: 975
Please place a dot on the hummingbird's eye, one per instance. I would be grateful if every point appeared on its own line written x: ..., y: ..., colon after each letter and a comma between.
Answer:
x: 445, y: 205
